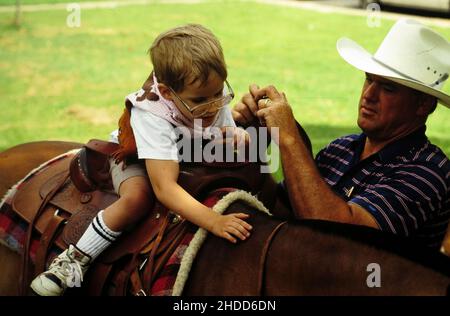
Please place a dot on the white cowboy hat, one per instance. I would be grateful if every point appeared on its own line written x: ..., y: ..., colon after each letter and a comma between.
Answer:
x: 411, y: 54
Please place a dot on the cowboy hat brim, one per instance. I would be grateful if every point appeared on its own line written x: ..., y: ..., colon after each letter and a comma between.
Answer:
x: 360, y: 58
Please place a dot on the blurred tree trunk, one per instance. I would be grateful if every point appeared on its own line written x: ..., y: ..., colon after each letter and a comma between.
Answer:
x: 17, y: 18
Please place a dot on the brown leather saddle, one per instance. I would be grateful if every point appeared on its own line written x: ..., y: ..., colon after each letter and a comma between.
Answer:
x: 59, y: 204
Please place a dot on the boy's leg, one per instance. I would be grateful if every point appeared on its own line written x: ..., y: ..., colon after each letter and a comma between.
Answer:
x: 134, y: 190
x: 135, y: 201
x: 107, y: 226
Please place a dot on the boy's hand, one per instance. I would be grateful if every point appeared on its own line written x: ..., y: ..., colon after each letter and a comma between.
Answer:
x: 231, y: 226
x: 235, y: 136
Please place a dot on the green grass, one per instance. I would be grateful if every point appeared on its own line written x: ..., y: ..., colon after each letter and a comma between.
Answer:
x: 13, y: 2
x: 62, y: 83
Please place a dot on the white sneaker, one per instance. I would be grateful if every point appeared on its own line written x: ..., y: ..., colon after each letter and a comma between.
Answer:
x: 66, y: 270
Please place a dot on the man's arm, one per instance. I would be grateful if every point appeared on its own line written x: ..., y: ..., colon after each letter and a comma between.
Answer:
x: 310, y: 195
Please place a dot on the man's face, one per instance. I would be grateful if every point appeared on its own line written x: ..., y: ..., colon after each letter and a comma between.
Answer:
x: 387, y: 109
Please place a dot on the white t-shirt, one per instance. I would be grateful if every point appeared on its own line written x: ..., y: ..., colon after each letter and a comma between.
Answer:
x: 156, y: 138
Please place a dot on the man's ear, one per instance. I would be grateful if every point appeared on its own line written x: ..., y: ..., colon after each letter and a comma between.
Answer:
x: 427, y: 105
x: 165, y: 91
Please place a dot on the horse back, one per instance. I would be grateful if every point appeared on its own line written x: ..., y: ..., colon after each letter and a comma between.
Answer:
x: 326, y: 258
x: 225, y: 269
x: 17, y: 161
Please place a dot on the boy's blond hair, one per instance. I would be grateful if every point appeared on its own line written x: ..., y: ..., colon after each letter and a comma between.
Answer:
x: 185, y: 54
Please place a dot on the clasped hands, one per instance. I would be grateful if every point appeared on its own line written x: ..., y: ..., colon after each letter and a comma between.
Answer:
x: 265, y: 107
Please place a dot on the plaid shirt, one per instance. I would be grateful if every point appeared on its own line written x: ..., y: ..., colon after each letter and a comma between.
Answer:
x: 405, y: 186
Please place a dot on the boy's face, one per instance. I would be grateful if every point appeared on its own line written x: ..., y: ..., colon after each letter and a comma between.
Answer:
x: 196, y: 94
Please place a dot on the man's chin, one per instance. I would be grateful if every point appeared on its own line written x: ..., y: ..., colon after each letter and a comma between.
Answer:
x: 365, y: 126
x: 371, y: 131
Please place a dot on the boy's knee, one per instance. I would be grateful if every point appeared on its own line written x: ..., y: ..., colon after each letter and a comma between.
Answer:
x: 136, y: 192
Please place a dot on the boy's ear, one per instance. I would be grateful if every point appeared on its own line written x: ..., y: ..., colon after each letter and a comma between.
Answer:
x: 165, y: 91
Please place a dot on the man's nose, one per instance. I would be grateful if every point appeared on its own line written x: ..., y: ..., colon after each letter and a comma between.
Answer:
x: 371, y: 91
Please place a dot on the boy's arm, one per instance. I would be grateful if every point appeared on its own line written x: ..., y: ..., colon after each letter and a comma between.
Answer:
x: 163, y: 175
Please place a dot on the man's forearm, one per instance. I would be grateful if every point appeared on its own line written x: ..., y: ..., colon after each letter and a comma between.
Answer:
x: 309, y: 194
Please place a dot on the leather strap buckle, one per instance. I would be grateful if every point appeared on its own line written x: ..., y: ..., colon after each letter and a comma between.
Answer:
x: 141, y: 292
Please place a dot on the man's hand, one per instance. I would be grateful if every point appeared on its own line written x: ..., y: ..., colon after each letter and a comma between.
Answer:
x: 231, y: 226
x: 244, y: 112
x: 274, y: 110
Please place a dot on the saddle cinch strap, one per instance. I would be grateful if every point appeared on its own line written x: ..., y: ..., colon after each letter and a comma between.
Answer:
x: 25, y: 262
x: 60, y: 210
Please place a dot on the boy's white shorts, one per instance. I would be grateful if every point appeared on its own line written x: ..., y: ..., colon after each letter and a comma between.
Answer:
x: 119, y: 176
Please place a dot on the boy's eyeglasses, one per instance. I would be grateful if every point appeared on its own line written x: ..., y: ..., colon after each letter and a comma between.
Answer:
x: 213, y: 106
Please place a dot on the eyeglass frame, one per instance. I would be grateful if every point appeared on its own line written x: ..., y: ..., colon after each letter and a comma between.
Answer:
x: 191, y: 110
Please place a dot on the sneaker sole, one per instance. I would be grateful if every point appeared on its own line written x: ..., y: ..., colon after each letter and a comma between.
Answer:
x: 38, y: 287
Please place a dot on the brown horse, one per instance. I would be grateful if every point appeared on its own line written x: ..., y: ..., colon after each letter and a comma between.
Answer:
x: 280, y: 258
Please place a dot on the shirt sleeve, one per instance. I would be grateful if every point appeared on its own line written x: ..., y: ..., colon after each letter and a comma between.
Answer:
x: 155, y: 137
x: 406, y: 199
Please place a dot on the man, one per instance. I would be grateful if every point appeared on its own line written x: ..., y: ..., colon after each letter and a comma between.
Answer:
x: 390, y: 177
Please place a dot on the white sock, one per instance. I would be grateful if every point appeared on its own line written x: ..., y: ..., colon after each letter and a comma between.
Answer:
x: 97, y: 237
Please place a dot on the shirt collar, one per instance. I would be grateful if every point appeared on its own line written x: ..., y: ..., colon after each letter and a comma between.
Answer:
x: 401, y: 146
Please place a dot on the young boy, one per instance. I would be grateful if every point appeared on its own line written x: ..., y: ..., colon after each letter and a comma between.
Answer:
x: 188, y: 83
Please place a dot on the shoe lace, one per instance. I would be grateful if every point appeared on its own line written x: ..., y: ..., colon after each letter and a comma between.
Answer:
x: 68, y: 269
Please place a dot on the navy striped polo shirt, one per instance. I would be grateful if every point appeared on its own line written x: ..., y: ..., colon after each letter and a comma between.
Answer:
x: 405, y: 186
